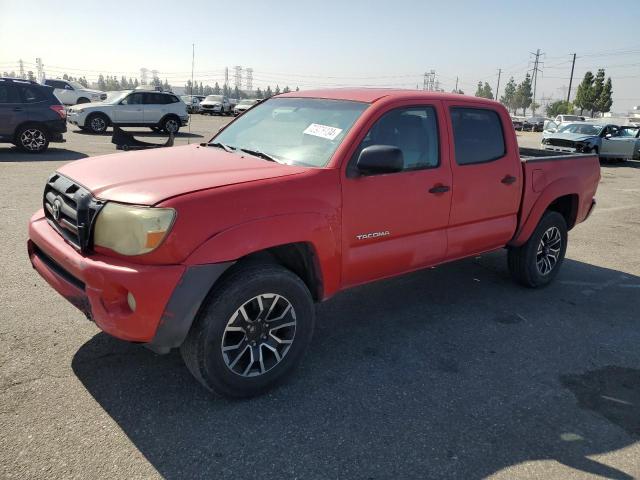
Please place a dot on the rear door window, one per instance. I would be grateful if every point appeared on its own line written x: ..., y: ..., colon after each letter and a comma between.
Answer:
x: 8, y: 94
x: 30, y: 93
x: 477, y: 134
x: 156, y: 99
x: 133, y: 99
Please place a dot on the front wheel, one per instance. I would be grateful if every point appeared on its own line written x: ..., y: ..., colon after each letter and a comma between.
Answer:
x: 537, y: 262
x: 97, y: 123
x: 252, y: 331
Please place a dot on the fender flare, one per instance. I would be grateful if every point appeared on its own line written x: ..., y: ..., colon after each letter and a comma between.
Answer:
x: 319, y: 231
x: 559, y: 188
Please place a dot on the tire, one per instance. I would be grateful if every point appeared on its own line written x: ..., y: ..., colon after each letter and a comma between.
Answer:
x: 97, y: 123
x: 170, y: 124
x: 250, y: 369
x: 82, y: 100
x: 32, y: 138
x: 537, y: 262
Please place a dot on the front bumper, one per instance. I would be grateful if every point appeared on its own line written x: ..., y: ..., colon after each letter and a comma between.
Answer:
x: 75, y: 118
x: 99, y: 285
x: 168, y: 297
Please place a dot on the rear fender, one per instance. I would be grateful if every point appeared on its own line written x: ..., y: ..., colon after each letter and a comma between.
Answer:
x: 321, y: 232
x: 559, y: 188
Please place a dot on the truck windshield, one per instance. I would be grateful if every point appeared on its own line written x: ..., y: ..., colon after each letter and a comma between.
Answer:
x: 296, y: 131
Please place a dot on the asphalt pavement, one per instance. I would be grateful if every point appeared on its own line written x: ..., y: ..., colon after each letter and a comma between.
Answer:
x: 452, y: 372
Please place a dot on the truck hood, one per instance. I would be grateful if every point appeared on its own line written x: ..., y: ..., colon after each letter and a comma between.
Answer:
x: 150, y: 176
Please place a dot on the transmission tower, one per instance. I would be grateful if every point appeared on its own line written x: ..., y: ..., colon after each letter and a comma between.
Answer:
x: 144, y: 72
x: 237, y: 76
x: 40, y: 68
x: 22, y: 74
x: 226, y: 76
x: 428, y: 83
x: 249, y: 79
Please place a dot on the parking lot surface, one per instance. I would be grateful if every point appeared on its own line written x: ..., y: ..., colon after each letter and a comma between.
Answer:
x: 451, y: 372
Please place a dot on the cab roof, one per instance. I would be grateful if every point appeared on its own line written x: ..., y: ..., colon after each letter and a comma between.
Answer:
x: 371, y: 95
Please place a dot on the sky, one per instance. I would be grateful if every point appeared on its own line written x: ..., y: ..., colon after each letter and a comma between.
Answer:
x: 332, y: 43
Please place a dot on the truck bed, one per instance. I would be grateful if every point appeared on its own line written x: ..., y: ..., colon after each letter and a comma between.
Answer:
x: 548, y: 176
x: 538, y: 154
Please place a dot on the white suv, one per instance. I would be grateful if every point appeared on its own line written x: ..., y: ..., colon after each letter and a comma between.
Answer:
x: 161, y: 111
x: 71, y: 93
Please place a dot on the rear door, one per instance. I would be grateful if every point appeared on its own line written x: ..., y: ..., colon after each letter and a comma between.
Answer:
x: 487, y: 176
x: 396, y: 222
x: 10, y: 109
x: 155, y: 106
x: 130, y: 110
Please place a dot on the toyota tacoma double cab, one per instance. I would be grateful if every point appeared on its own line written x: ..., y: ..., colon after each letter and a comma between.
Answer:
x: 222, y: 248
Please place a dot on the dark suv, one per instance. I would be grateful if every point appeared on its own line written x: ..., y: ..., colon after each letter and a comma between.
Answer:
x: 30, y: 115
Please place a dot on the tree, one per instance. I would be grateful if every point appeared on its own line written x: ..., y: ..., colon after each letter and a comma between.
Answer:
x: 31, y: 76
x: 101, y: 83
x: 459, y: 91
x: 605, y: 100
x: 236, y: 92
x: 484, y: 91
x: 268, y: 93
x: 598, y: 87
x: 297, y: 89
x: 286, y: 89
x: 559, y: 107
x: 585, y: 94
x: 524, y: 95
x: 216, y: 89
x: 479, y: 90
x: 534, y: 106
x: 277, y: 92
x: 259, y: 93
x: 509, y: 96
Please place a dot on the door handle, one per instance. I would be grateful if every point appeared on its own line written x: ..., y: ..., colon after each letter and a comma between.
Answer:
x: 509, y: 179
x: 18, y: 109
x: 439, y: 189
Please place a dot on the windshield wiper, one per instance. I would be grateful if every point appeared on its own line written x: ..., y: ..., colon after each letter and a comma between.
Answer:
x: 259, y: 154
x: 226, y: 148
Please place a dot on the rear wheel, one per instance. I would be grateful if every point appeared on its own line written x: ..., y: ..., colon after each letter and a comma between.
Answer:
x: 537, y: 262
x: 252, y: 331
x: 32, y: 139
x: 171, y: 125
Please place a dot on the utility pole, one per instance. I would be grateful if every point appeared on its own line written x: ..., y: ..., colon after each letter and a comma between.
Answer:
x: 226, y: 76
x: 456, y: 84
x: 498, y: 85
x: 536, y: 69
x: 573, y: 64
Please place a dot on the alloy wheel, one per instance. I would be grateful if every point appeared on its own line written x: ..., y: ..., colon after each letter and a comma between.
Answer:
x: 33, y: 139
x: 548, y: 251
x: 258, y: 335
x: 98, y: 124
x: 171, y: 126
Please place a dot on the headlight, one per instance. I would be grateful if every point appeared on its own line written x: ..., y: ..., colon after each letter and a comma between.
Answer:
x: 131, y: 230
x: 77, y: 110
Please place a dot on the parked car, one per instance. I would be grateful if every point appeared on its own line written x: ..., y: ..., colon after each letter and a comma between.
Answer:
x: 72, y: 93
x: 31, y: 116
x: 568, y: 118
x: 161, y: 111
x: 517, y: 122
x: 192, y: 102
x: 533, y: 124
x: 607, y: 141
x: 218, y: 104
x: 245, y: 105
x: 221, y: 248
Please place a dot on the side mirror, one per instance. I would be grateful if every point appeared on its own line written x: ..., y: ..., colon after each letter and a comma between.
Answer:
x: 380, y: 159
x: 608, y: 135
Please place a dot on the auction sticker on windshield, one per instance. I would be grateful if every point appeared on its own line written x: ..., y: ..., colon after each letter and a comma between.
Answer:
x: 322, y: 131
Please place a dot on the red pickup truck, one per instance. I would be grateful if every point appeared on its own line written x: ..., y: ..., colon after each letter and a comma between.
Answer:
x: 222, y: 248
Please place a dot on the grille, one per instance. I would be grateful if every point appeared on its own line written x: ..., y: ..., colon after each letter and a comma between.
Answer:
x: 559, y: 142
x: 70, y: 210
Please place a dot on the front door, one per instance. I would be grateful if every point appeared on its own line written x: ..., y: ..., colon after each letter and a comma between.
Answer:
x: 10, y: 109
x: 396, y: 222
x: 487, y: 176
x: 130, y: 110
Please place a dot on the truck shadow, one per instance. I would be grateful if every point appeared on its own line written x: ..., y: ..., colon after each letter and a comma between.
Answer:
x: 452, y: 372
x: 14, y: 154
